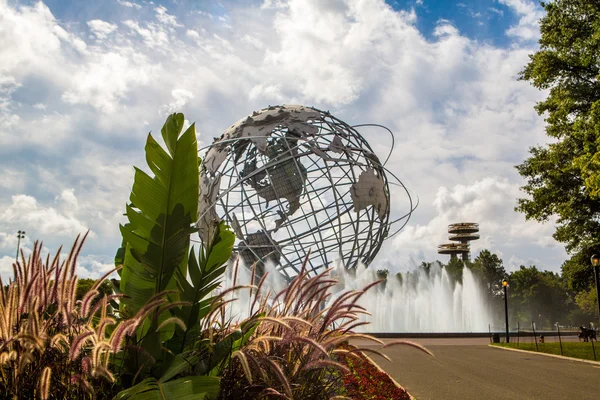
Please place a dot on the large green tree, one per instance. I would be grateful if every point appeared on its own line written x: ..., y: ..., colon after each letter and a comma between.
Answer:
x: 538, y: 296
x: 563, y: 177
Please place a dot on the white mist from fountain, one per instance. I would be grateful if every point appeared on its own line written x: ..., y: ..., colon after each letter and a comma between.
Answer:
x: 422, y: 302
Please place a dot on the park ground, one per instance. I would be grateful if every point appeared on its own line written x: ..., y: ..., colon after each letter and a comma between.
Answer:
x: 469, y: 369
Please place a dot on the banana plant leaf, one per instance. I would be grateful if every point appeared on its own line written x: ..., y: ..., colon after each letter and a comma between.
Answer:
x: 162, y: 211
x: 205, y: 276
x: 188, y: 388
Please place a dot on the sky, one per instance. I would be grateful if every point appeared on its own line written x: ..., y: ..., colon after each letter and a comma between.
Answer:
x: 83, y: 82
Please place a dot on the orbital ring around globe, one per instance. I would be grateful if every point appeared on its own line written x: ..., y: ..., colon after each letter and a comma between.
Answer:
x: 289, y: 179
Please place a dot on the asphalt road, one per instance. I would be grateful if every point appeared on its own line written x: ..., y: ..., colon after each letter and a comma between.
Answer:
x: 467, y: 369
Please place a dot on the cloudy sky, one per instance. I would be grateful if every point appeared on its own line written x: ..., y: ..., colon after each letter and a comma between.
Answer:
x: 83, y: 82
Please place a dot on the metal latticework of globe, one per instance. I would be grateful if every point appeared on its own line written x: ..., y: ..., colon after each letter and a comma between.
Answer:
x: 289, y: 179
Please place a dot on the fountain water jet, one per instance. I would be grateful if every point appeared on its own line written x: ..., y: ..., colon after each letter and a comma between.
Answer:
x: 422, y: 302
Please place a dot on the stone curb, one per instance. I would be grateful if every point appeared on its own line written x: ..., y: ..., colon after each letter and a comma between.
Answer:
x: 547, y: 355
x: 393, y: 380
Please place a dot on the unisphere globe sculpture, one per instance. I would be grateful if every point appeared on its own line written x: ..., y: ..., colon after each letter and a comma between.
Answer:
x: 289, y: 179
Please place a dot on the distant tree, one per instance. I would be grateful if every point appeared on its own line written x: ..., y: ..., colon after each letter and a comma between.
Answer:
x: 84, y: 285
x: 454, y: 268
x: 426, y: 266
x: 383, y: 274
x: 539, y: 296
x: 586, y: 300
x: 563, y: 177
x: 488, y: 268
x: 400, y: 278
x: 523, y: 291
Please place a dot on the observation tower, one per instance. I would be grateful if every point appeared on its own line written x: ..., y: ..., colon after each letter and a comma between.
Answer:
x: 463, y: 233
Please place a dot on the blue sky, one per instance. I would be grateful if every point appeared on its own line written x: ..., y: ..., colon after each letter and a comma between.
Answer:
x: 83, y: 82
x: 482, y: 20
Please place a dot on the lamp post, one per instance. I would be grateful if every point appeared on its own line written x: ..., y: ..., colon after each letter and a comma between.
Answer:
x: 20, y: 235
x: 504, y: 286
x: 595, y: 263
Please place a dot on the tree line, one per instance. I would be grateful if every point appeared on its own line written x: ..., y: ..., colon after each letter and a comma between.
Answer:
x: 534, y: 295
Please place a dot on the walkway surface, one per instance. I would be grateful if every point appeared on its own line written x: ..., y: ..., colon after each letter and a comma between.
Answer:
x: 467, y: 369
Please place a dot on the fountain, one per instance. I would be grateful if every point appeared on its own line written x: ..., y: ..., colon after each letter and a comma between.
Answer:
x: 422, y: 302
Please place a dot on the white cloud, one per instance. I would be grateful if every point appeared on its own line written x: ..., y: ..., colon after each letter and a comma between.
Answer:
x: 276, y: 4
x: 252, y: 41
x: 70, y: 39
x: 490, y: 202
x: 529, y: 15
x: 93, y: 266
x: 129, y: 4
x: 496, y: 11
x: 154, y: 36
x: 180, y: 97
x: 461, y: 118
x: 101, y: 28
x: 26, y: 213
x: 12, y: 179
x: 165, y: 18
x: 445, y: 28
x: 104, y: 82
x: 6, y: 269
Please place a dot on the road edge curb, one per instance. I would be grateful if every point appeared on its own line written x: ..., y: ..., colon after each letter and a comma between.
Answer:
x: 592, y: 362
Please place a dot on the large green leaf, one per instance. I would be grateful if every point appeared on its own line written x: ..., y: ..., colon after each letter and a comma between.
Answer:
x: 162, y: 211
x: 156, y: 239
x: 205, y: 277
x: 188, y: 388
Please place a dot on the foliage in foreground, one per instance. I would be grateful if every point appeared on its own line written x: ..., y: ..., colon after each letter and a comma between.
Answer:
x: 178, y: 350
x: 52, y: 345
x: 165, y: 334
x: 364, y: 381
x: 294, y: 351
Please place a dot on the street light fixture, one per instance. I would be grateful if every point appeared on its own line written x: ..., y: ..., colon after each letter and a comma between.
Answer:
x: 595, y: 263
x: 504, y: 287
x: 20, y: 235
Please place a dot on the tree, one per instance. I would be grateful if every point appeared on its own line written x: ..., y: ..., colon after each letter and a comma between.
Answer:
x: 426, y: 266
x: 382, y: 274
x: 454, y: 268
x: 84, y: 285
x: 488, y: 267
x: 563, y: 177
x: 587, y: 302
x: 539, y: 296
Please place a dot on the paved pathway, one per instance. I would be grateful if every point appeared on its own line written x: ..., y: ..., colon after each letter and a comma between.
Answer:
x: 467, y: 369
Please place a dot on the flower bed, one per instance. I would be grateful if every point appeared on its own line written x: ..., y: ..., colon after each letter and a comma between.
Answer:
x: 366, y: 381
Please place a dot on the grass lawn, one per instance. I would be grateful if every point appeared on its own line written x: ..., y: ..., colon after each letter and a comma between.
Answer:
x: 570, y: 349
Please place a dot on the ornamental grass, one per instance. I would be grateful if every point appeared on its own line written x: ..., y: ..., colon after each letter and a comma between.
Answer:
x: 299, y: 351
x: 53, y: 346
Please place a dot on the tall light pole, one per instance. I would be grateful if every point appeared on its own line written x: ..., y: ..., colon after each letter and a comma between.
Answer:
x: 595, y: 263
x: 504, y: 286
x: 20, y: 235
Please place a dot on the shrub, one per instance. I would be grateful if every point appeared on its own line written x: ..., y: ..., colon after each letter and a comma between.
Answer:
x: 293, y: 352
x: 52, y: 345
